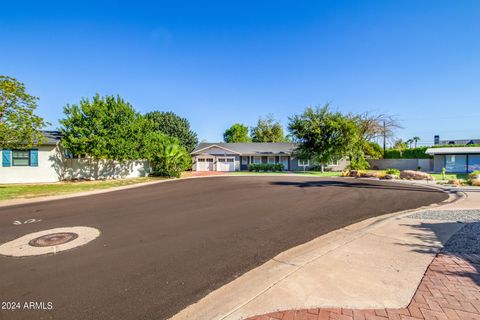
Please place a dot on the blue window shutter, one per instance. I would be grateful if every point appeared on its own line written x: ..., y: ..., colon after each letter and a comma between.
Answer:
x: 6, y: 157
x: 33, y: 157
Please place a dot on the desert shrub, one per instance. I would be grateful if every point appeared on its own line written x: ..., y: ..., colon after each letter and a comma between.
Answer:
x: 393, y: 171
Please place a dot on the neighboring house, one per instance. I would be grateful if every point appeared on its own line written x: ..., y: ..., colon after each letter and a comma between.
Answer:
x: 238, y: 156
x: 439, y: 142
x: 455, y: 159
x: 48, y: 162
x: 31, y: 165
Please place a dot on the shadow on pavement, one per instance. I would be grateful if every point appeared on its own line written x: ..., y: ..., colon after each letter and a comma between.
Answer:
x: 376, y: 185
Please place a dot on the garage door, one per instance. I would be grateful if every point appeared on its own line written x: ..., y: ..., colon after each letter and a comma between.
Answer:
x: 225, y: 164
x: 205, y: 164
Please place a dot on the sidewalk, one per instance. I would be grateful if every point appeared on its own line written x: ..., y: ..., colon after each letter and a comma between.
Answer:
x: 375, y: 264
x: 450, y: 289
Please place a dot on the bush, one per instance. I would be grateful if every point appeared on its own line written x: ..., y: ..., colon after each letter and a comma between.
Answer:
x: 393, y: 171
x: 413, y: 153
x: 265, y: 167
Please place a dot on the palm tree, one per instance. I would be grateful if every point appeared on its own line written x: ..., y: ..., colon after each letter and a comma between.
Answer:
x: 409, y: 142
x: 416, y: 139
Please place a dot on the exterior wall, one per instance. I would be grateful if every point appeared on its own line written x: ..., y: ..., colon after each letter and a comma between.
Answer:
x: 52, y: 167
x: 402, y: 164
x: 438, y: 162
x: 294, y: 165
x: 103, y: 169
x: 341, y: 165
x: 45, y: 172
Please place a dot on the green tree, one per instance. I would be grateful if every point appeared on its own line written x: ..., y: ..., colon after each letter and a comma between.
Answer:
x: 172, y: 125
x: 237, y: 133
x: 268, y: 130
x: 104, y: 127
x: 400, y: 145
x: 19, y: 125
x: 326, y: 136
x: 168, y: 158
x: 415, y: 140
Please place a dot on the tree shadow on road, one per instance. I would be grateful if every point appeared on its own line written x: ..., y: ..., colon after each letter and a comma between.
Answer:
x: 374, y: 185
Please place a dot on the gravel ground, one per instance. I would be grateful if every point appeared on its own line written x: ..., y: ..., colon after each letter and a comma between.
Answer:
x: 467, y: 240
x: 448, y: 215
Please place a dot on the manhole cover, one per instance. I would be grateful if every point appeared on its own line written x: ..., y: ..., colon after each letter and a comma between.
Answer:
x: 50, y: 241
x: 53, y: 239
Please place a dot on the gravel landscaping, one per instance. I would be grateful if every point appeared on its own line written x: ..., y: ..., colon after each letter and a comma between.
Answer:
x: 448, y: 215
x: 467, y: 240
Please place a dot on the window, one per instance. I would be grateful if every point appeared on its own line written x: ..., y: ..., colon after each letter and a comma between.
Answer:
x: 271, y: 160
x: 201, y: 160
x: 303, y: 162
x: 20, y: 158
x: 244, y: 160
x: 257, y: 160
x: 209, y: 160
x: 473, y: 162
x: 456, y: 163
x: 230, y: 160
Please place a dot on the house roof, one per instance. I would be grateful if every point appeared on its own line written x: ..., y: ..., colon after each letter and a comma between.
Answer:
x: 250, y: 148
x: 453, y: 150
x: 51, y: 137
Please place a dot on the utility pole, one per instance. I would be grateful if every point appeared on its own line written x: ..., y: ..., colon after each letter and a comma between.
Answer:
x: 384, y: 138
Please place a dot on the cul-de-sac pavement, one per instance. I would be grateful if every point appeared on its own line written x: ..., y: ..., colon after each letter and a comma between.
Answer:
x: 231, y: 248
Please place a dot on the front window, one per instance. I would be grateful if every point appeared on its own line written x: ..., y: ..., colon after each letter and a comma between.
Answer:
x: 271, y: 160
x: 20, y: 158
x: 455, y: 163
x: 303, y: 162
x: 473, y: 162
x: 257, y: 160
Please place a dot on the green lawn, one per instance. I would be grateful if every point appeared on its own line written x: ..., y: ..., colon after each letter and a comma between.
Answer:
x: 49, y: 189
x: 449, y: 176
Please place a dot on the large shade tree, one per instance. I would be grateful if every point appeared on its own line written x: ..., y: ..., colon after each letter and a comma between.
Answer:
x: 103, y: 127
x: 19, y: 125
x: 175, y: 126
x: 236, y: 133
x: 325, y: 136
x: 268, y: 130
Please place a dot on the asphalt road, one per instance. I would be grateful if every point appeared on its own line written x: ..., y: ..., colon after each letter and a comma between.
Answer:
x: 167, y: 245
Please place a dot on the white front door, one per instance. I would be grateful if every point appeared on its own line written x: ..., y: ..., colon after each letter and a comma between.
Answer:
x: 204, y: 164
x: 225, y: 164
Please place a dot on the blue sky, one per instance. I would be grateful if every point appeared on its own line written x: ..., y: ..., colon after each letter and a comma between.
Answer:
x: 221, y: 62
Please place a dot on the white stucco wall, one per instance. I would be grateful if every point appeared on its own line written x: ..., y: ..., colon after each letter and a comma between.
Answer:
x: 45, y: 172
x: 52, y: 168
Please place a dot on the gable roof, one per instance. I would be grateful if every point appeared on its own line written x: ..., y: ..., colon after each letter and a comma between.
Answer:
x: 260, y: 148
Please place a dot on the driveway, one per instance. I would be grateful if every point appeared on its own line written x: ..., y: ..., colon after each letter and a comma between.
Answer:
x: 165, y: 246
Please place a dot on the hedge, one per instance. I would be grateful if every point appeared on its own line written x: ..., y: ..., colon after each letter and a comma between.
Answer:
x: 274, y: 167
x: 413, y: 153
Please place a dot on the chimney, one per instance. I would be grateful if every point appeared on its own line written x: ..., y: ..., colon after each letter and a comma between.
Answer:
x: 436, y: 139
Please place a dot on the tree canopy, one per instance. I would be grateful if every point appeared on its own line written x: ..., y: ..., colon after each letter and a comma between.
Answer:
x: 236, y: 133
x: 175, y: 126
x: 326, y: 136
x: 104, y: 127
x: 19, y: 125
x: 268, y: 130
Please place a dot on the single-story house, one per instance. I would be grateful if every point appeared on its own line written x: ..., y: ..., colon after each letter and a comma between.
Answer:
x: 238, y: 156
x: 455, y: 159
x: 48, y: 162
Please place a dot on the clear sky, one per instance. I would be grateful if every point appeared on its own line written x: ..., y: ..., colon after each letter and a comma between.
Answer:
x: 221, y: 62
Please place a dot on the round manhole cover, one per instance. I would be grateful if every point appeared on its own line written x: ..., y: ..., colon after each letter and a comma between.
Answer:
x: 53, y: 239
x: 49, y: 241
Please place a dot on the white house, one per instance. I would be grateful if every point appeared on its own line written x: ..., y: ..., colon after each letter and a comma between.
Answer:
x: 48, y: 163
